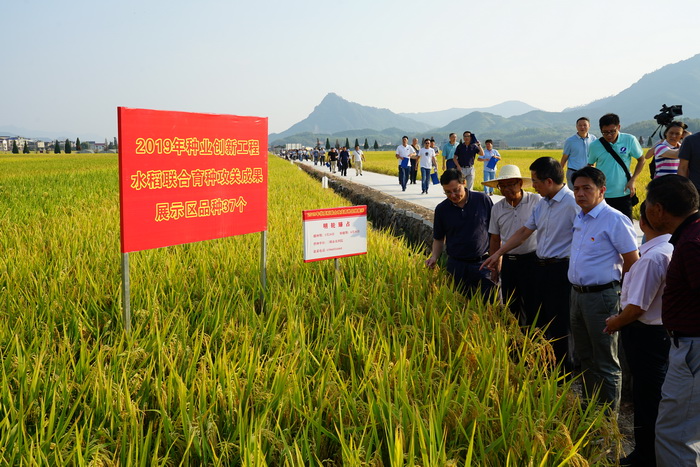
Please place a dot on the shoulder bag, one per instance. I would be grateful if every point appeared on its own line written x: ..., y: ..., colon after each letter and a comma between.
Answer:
x: 633, y: 199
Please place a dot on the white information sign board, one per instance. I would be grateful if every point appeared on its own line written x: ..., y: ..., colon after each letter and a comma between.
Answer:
x: 335, y: 233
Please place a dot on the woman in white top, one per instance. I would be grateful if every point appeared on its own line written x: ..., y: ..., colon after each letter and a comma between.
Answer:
x: 665, y: 152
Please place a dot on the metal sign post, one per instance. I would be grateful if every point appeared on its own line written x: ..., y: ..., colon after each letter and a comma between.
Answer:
x: 126, y: 292
x: 263, y: 260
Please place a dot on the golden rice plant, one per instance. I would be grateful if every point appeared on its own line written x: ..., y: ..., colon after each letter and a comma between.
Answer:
x: 379, y: 363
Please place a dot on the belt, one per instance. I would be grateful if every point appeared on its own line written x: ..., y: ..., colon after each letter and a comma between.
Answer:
x: 520, y: 257
x: 676, y: 334
x: 594, y: 288
x: 470, y: 260
x: 543, y: 261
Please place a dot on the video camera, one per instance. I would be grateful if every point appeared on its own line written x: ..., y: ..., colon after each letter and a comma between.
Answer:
x: 666, y: 114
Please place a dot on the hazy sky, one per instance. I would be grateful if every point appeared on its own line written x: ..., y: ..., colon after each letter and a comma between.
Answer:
x: 68, y: 64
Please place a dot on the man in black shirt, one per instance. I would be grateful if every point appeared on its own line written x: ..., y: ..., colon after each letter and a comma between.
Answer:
x: 465, y: 154
x: 461, y: 225
x: 689, y: 156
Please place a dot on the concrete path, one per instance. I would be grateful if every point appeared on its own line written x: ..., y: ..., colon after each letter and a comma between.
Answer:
x: 389, y: 184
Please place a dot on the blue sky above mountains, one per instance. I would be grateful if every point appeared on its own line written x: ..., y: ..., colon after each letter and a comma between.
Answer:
x: 73, y: 62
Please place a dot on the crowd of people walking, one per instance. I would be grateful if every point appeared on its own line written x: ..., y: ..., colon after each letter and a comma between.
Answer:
x: 336, y: 160
x: 461, y: 157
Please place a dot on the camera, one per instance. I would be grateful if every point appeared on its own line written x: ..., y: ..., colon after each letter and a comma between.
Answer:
x: 666, y: 114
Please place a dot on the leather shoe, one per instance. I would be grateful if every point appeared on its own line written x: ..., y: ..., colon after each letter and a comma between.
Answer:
x: 634, y: 458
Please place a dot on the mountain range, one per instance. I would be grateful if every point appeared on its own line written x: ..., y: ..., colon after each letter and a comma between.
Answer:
x: 326, y: 118
x: 443, y: 117
x: 514, y: 122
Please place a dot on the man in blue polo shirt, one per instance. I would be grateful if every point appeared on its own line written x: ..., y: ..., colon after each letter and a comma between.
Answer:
x: 576, y: 149
x: 448, y: 153
x: 461, y: 223
x: 620, y: 190
x: 604, y: 246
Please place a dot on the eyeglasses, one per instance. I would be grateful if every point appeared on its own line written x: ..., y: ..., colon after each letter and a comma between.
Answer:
x: 454, y: 192
x: 504, y: 186
x: 611, y: 132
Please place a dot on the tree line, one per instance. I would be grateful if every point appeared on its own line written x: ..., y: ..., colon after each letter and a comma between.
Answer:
x: 67, y: 146
x: 347, y: 144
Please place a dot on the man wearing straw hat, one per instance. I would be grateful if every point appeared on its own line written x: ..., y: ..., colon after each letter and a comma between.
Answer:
x: 517, y: 269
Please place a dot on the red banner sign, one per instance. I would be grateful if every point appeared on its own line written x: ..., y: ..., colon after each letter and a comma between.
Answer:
x: 187, y: 177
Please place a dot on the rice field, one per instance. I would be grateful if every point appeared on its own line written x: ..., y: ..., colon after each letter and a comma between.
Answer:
x: 380, y: 363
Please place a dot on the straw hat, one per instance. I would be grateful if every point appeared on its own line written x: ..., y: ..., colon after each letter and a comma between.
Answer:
x: 509, y: 172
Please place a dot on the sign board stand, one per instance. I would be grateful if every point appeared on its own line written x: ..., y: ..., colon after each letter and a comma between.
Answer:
x: 126, y: 284
x: 188, y: 177
x: 263, y: 260
x: 126, y: 293
x: 263, y: 269
x: 335, y: 233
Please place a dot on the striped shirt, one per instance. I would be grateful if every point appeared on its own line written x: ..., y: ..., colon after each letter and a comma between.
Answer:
x: 665, y: 165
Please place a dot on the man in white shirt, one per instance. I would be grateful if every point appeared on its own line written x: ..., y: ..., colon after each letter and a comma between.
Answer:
x: 518, y: 268
x: 426, y: 159
x: 644, y: 338
x: 358, y: 159
x: 403, y: 154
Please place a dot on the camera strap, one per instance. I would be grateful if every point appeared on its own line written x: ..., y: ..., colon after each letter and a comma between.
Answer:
x: 617, y: 158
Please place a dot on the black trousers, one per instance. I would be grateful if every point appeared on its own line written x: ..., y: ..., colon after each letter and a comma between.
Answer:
x: 622, y: 204
x: 646, y: 350
x: 552, y: 289
x: 517, y: 276
x: 468, y: 278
